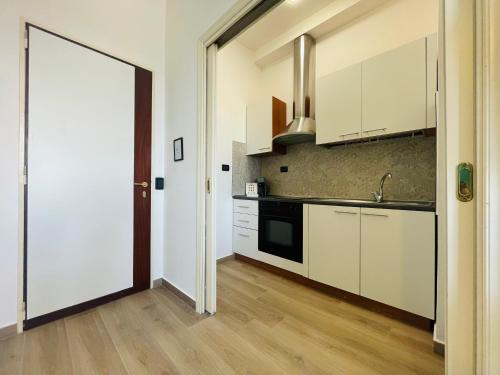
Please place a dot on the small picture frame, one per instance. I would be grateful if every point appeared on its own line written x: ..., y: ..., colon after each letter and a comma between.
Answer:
x: 178, y: 149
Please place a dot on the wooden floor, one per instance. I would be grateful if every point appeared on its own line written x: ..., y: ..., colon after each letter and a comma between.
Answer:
x: 264, y: 325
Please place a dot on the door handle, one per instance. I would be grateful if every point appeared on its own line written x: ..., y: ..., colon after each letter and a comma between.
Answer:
x: 144, y: 184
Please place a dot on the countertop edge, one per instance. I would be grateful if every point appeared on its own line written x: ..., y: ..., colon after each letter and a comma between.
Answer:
x: 425, y: 207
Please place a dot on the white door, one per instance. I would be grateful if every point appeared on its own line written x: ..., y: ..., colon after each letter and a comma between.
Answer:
x: 80, y: 160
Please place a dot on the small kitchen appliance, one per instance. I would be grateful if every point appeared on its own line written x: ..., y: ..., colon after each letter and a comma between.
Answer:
x: 262, y: 187
x: 251, y: 189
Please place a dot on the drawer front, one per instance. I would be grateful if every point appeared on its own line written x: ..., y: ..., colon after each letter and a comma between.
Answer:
x: 246, y: 221
x: 245, y: 241
x: 244, y: 206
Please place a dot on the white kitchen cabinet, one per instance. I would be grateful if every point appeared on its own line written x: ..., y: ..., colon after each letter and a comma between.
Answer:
x: 338, y: 106
x: 245, y: 241
x: 398, y: 259
x: 246, y: 206
x: 259, y: 126
x: 334, y: 246
x: 394, y: 91
x: 432, y: 77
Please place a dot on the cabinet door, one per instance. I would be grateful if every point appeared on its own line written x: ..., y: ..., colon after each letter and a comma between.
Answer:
x: 432, y: 77
x: 394, y: 91
x: 334, y: 246
x: 397, y: 259
x: 338, y: 106
x: 259, y: 126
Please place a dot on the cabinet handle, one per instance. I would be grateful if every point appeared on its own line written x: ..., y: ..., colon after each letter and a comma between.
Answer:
x: 345, y: 135
x: 374, y: 130
x: 243, y: 235
x: 345, y: 212
x: 243, y: 206
x: 264, y: 148
x: 243, y: 221
x: 380, y: 215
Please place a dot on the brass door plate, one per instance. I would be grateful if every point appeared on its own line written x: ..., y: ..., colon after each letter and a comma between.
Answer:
x: 465, y: 185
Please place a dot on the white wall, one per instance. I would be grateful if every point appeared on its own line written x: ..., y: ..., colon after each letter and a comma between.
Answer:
x: 130, y: 29
x: 187, y: 20
x: 396, y: 23
x: 238, y: 82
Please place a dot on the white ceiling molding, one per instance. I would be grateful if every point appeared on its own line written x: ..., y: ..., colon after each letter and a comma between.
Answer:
x: 326, y: 20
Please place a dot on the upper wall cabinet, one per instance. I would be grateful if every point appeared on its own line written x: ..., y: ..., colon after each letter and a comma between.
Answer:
x: 390, y: 93
x: 266, y: 117
x: 432, y: 79
x: 338, y: 108
x: 394, y: 90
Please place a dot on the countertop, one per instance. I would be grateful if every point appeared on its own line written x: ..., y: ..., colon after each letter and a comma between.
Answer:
x: 393, y: 205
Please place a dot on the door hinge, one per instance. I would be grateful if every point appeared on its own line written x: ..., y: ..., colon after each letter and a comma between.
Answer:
x: 25, y: 175
x: 208, y: 185
x: 26, y: 43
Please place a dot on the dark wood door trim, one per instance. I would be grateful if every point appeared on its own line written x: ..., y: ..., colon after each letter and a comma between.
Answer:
x: 142, y: 173
x: 142, y: 206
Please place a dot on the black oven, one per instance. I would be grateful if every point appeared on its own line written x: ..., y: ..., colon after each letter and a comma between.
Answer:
x: 280, y: 229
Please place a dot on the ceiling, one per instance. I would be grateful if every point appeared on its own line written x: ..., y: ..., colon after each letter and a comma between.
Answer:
x: 280, y: 19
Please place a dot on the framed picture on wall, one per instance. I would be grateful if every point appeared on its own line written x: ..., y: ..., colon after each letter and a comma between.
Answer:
x: 178, y: 149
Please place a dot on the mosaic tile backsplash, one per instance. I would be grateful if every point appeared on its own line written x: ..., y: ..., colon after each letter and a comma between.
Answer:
x: 354, y: 171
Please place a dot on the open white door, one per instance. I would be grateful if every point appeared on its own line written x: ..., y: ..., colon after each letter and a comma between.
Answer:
x: 80, y: 161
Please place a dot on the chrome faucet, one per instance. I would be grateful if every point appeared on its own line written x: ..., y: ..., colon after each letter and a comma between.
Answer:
x: 379, y: 195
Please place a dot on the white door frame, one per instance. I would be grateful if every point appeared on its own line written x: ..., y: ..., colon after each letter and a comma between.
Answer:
x: 206, y: 255
x: 488, y: 212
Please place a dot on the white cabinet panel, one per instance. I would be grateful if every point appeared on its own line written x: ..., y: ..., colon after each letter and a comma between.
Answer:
x: 246, y: 221
x: 338, y: 109
x: 259, y: 126
x: 246, y: 206
x: 398, y: 259
x: 245, y: 241
x: 432, y: 62
x: 394, y: 90
x: 334, y: 246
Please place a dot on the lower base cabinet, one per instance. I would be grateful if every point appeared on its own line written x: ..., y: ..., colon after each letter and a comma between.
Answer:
x: 334, y: 246
x: 398, y: 259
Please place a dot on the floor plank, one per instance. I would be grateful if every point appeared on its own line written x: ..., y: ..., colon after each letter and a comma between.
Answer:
x: 265, y: 324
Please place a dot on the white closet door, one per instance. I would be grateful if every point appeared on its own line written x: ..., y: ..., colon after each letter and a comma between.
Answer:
x: 80, y: 174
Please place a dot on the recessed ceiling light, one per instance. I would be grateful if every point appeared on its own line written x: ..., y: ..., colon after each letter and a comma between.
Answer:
x: 292, y: 2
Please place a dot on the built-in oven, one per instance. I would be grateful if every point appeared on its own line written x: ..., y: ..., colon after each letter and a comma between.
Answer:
x: 280, y: 229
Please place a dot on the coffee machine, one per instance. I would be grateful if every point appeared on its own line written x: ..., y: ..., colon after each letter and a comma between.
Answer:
x: 262, y: 187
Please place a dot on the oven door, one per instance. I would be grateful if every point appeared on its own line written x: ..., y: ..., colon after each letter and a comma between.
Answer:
x: 281, y: 235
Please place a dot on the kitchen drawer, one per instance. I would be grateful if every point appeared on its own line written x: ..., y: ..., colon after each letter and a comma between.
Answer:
x: 246, y: 221
x: 244, y: 206
x: 245, y: 241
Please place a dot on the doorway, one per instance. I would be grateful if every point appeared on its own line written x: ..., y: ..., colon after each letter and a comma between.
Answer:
x: 87, y: 164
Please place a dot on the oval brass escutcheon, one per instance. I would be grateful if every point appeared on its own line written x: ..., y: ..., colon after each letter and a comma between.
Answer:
x: 465, y: 182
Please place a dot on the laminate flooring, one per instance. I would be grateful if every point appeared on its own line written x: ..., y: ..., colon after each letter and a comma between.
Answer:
x: 265, y: 324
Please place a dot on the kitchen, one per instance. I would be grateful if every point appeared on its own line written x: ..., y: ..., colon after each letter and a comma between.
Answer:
x: 330, y: 141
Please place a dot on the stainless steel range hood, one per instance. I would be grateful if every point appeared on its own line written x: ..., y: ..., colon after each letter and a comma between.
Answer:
x: 303, y: 127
